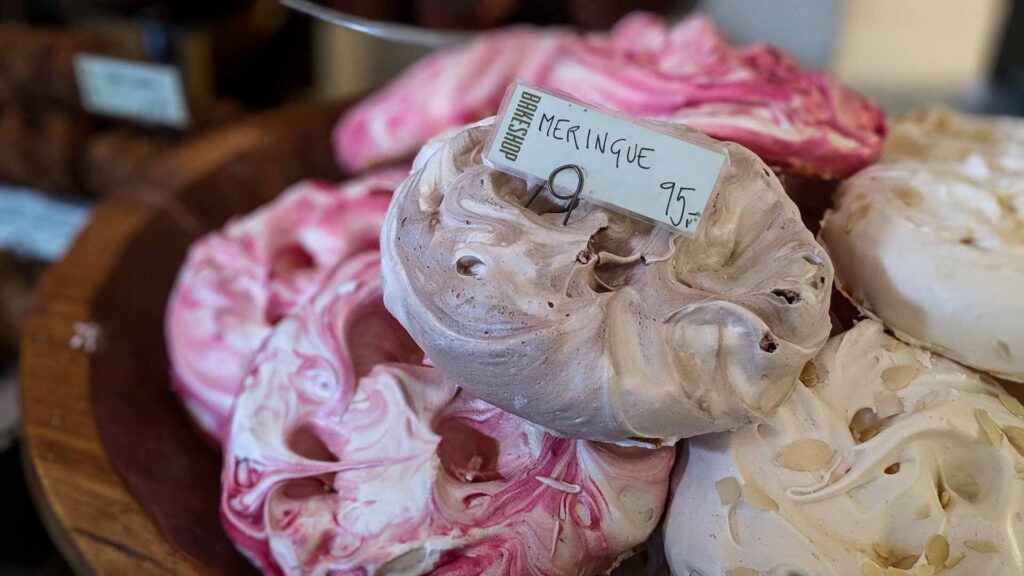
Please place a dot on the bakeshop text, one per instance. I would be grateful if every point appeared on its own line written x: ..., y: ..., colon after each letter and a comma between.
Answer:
x: 519, y: 126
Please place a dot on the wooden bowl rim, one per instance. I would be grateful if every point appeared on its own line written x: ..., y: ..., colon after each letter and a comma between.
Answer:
x: 94, y: 519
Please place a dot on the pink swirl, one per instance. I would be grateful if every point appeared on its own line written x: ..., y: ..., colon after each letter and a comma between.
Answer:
x: 348, y: 456
x: 239, y: 281
x: 797, y: 120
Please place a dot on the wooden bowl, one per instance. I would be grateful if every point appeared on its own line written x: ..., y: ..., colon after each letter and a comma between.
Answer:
x: 124, y: 483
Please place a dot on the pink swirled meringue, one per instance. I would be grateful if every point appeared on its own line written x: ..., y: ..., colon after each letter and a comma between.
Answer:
x: 801, y: 121
x: 607, y: 328
x: 237, y: 283
x: 345, y: 457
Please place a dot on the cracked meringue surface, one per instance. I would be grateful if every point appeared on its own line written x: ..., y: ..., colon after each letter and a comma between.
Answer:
x: 931, y: 241
x: 348, y: 456
x: 801, y: 121
x: 608, y: 328
x: 886, y: 460
x: 236, y: 283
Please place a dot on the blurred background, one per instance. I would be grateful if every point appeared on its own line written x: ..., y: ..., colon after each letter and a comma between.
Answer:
x: 60, y: 154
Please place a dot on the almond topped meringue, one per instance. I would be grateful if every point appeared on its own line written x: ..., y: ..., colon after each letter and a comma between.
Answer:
x: 348, y: 456
x: 931, y: 241
x: 606, y: 328
x: 800, y: 121
x: 886, y: 460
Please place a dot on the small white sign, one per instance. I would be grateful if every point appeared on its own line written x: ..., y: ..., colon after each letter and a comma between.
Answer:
x: 628, y: 166
x: 38, y: 226
x: 150, y: 93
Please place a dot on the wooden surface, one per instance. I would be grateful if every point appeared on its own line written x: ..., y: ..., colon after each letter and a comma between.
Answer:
x: 124, y: 484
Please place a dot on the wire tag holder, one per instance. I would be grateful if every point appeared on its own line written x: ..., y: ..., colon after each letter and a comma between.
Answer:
x: 574, y: 198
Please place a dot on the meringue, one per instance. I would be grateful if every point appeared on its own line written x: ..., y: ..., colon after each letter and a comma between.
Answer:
x: 237, y: 283
x: 346, y: 456
x: 886, y: 456
x: 931, y: 241
x: 800, y: 121
x: 607, y: 328
x: 942, y: 135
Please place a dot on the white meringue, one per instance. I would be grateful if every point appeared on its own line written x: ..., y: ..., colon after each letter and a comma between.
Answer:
x: 939, y: 134
x: 910, y: 459
x: 931, y: 242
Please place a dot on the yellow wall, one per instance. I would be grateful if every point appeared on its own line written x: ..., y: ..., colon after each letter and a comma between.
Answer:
x: 908, y: 50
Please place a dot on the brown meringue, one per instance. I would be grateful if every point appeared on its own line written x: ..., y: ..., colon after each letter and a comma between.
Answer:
x: 607, y: 328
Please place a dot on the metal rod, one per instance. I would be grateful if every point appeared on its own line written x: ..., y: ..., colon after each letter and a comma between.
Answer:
x: 395, y: 32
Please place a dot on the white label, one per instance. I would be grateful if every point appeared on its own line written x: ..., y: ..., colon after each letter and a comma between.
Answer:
x: 150, y: 93
x: 38, y: 226
x: 639, y: 169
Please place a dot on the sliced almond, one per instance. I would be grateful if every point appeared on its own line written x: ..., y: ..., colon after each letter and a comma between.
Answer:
x: 936, y: 552
x: 809, y: 374
x: 906, y: 563
x: 1012, y: 404
x: 805, y: 455
x: 894, y: 345
x: 923, y: 357
x: 1004, y: 350
x: 908, y: 195
x: 757, y: 498
x: 930, y: 399
x: 983, y: 546
x: 869, y: 434
x: 869, y: 568
x: 887, y: 403
x: 1016, y: 436
x: 944, y: 499
x: 897, y: 377
x: 924, y: 570
x: 858, y: 214
x: 883, y: 549
x: 864, y: 425
x: 989, y: 428
x: 1006, y: 203
x: 728, y: 490
x: 955, y: 559
x: 894, y: 571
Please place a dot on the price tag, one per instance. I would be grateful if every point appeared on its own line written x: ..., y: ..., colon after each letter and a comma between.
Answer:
x: 149, y: 93
x: 627, y: 165
x: 38, y: 226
